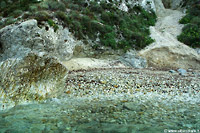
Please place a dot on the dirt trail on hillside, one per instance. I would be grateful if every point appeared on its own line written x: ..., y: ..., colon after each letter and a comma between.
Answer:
x: 167, y: 27
x: 169, y: 23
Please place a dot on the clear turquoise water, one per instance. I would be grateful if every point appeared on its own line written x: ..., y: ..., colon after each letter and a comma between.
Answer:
x: 105, y: 116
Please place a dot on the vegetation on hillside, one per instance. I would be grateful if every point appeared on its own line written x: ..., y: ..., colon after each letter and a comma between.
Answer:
x: 191, y: 31
x: 101, y: 22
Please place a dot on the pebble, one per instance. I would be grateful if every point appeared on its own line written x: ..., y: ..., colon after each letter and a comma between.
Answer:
x: 182, y: 71
x: 126, y: 81
x: 172, y: 71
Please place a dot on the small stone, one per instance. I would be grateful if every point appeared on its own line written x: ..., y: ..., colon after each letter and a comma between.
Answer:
x: 124, y: 101
x: 193, y: 73
x: 68, y: 92
x: 172, y: 71
x: 103, y: 82
x: 116, y: 86
x: 182, y: 71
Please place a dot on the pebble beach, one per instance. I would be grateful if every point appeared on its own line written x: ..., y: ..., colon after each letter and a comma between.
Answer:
x: 114, y: 100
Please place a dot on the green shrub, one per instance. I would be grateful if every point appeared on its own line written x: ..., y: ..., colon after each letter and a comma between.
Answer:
x: 191, y: 31
x: 10, y: 20
x: 95, y: 7
x: 195, y: 11
x: 1, y: 24
x: 55, y: 5
x: 190, y: 35
x: 15, y: 5
x: 86, y: 22
x: 96, y: 25
x: 73, y: 6
x: 27, y: 15
x: 106, y: 29
x: 196, y: 20
x: 186, y: 19
x: 148, y: 40
x: 17, y: 13
x: 42, y: 16
x: 124, y: 44
x: 43, y: 6
x: 77, y: 27
x: 80, y: 2
x: 62, y: 16
x: 33, y: 8
x: 109, y: 40
x: 110, y: 18
x: 53, y: 24
x: 127, y: 33
x: 104, y: 5
x: 3, y: 5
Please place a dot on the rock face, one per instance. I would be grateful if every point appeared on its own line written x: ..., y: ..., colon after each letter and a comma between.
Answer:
x: 17, y: 40
x: 32, y: 78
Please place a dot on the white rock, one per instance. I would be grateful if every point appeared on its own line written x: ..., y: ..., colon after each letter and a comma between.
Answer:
x: 17, y: 40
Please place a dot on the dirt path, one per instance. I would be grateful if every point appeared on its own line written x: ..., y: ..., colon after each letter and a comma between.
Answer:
x: 167, y: 27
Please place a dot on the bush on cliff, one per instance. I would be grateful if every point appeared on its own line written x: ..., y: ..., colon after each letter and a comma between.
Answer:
x: 96, y: 20
x: 191, y: 31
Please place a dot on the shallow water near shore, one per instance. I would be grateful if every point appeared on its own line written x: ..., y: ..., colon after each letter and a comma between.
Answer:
x: 125, y: 114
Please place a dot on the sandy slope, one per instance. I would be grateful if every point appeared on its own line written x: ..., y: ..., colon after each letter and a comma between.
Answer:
x: 167, y: 27
x: 90, y: 63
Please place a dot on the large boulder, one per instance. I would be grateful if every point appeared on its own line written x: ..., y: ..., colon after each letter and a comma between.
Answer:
x: 132, y: 59
x: 19, y: 39
x: 32, y: 78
